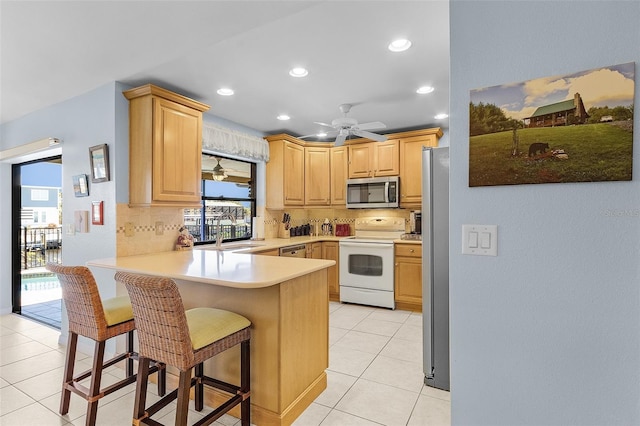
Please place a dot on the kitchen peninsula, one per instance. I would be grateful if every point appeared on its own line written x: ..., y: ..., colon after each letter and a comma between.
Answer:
x: 286, y: 300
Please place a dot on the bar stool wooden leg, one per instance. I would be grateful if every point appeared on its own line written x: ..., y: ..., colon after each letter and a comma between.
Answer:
x: 130, y: 351
x: 94, y: 388
x: 182, y: 409
x: 162, y: 379
x: 245, y: 380
x: 141, y: 388
x: 68, y: 372
x: 199, y: 388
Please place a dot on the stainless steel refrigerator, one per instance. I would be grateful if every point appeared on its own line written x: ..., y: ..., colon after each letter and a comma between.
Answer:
x: 435, y: 266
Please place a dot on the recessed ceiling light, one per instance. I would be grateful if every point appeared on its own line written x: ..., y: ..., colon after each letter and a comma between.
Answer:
x: 399, y: 45
x: 441, y: 116
x: 283, y: 117
x: 425, y: 89
x: 298, y: 72
x: 225, y: 91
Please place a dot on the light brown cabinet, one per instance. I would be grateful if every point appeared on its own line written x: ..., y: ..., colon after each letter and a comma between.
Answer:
x: 331, y: 251
x: 411, y: 166
x: 165, y: 148
x: 285, y: 173
x: 408, y: 276
x: 339, y: 172
x: 314, y: 250
x: 374, y: 159
x: 317, y: 176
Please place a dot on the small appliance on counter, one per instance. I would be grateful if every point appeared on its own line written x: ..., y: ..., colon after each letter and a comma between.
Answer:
x: 415, y: 222
x: 343, y: 230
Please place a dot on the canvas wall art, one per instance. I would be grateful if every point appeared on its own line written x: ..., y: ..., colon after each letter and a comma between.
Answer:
x: 570, y: 128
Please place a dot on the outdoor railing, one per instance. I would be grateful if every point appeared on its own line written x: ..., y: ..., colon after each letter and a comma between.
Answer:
x: 39, y: 246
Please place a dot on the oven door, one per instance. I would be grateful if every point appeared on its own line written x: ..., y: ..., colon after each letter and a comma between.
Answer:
x: 366, y: 265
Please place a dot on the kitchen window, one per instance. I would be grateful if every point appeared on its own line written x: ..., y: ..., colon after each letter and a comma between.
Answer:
x: 228, y: 192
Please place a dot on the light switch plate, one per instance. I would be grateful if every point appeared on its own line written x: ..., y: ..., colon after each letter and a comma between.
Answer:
x: 159, y: 228
x: 480, y: 240
x: 128, y: 229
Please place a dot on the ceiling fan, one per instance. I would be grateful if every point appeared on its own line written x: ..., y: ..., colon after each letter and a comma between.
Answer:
x: 217, y: 173
x: 346, y: 127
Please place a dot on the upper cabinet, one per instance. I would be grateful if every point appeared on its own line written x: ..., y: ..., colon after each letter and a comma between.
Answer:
x: 165, y: 148
x: 317, y: 176
x: 285, y: 172
x: 411, y: 164
x: 374, y: 159
x: 339, y: 171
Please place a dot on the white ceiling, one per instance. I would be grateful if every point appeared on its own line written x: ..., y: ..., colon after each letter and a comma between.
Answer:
x: 54, y: 50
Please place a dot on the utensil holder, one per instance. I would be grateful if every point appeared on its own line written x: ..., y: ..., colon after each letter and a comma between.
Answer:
x: 283, y: 232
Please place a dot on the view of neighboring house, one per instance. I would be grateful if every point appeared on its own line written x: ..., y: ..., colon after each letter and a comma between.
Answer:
x: 563, y: 113
x: 40, y: 206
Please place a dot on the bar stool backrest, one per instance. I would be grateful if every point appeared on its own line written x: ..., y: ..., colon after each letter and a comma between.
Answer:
x: 82, y: 301
x: 161, y: 322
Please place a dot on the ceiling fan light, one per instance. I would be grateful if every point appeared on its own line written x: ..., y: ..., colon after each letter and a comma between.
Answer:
x: 298, y: 72
x: 283, y: 117
x: 399, y: 45
x: 224, y: 91
x: 322, y: 135
x: 441, y: 116
x: 424, y: 90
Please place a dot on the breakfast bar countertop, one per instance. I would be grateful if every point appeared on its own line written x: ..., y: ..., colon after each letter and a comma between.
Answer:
x: 216, y: 267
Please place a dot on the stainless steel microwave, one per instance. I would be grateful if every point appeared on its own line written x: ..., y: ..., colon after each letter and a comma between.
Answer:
x: 373, y: 193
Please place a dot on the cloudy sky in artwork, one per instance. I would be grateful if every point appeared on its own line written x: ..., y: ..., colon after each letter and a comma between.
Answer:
x: 607, y: 86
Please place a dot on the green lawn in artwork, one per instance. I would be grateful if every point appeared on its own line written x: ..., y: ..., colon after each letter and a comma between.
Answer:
x: 594, y: 152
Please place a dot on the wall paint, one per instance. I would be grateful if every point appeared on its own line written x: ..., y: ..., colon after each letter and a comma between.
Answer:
x: 548, y: 332
x: 80, y: 122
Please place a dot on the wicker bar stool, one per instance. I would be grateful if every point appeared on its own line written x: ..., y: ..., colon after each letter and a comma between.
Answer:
x: 185, y: 339
x: 100, y: 320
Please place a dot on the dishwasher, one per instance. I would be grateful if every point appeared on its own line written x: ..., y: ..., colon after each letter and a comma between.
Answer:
x: 299, y: 250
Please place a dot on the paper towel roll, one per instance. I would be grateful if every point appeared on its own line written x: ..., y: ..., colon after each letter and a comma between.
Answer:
x: 258, y: 228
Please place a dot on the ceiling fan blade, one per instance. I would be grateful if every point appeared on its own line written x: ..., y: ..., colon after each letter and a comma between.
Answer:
x: 323, y: 124
x: 369, y: 135
x: 372, y: 125
x: 341, y: 138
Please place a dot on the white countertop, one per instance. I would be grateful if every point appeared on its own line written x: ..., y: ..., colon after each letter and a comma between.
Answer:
x: 223, y: 268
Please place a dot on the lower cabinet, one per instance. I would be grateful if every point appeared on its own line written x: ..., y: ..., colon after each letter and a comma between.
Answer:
x: 314, y: 250
x: 331, y: 251
x: 408, y: 276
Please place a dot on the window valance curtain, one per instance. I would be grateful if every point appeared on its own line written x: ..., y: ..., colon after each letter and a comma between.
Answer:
x: 223, y: 140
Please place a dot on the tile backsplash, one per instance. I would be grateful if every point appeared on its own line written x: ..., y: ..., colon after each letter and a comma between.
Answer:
x: 145, y: 223
x: 142, y: 223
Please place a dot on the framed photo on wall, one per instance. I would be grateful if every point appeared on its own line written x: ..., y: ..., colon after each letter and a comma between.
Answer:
x: 97, y: 208
x: 80, y: 186
x: 99, y: 156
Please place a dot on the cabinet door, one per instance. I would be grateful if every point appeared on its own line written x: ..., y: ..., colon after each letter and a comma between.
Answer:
x: 177, y: 151
x: 315, y: 251
x: 408, y: 276
x: 411, y: 169
x: 339, y: 173
x: 293, y: 156
x: 360, y: 160
x: 317, y: 176
x: 387, y: 158
x: 330, y: 251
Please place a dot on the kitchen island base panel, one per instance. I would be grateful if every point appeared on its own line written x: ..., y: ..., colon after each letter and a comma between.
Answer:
x: 289, y: 342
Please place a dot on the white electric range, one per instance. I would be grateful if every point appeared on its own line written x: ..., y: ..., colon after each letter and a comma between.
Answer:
x: 367, y: 262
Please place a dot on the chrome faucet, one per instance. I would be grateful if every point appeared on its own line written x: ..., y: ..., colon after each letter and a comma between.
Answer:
x: 219, y: 237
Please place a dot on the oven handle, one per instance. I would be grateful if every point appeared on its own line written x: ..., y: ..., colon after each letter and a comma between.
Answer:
x: 356, y: 244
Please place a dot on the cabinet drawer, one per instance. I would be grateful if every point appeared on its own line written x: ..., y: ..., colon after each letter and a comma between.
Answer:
x: 409, y: 250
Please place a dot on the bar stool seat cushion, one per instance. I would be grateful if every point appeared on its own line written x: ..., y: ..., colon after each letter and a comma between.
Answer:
x: 208, y: 325
x: 117, y: 310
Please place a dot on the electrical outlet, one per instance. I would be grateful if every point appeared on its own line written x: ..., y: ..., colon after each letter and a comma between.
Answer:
x: 128, y: 229
x: 159, y: 228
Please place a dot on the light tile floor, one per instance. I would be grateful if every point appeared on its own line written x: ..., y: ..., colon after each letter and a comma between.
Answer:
x: 374, y: 376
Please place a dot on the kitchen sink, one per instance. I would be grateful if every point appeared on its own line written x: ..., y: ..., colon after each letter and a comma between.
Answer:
x: 230, y: 246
